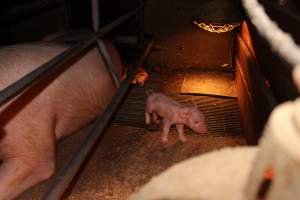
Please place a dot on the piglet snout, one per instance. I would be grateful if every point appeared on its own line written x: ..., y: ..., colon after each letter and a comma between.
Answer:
x: 203, y: 130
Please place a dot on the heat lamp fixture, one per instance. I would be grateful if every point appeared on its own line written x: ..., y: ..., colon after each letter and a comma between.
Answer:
x: 219, y: 16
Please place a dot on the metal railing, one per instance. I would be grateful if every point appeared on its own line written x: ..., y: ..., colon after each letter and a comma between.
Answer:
x: 52, y: 65
x: 101, y: 46
x: 63, y: 180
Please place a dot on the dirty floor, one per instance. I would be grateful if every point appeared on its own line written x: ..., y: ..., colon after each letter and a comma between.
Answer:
x: 125, y: 159
x: 130, y: 153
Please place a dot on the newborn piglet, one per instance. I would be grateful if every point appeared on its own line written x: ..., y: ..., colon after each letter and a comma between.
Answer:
x: 140, y: 77
x: 173, y: 112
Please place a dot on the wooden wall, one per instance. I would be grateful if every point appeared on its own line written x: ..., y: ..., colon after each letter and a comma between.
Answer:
x: 255, y: 97
x: 274, y: 68
x: 263, y: 78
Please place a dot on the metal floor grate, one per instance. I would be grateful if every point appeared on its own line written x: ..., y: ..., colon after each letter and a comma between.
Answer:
x: 222, y: 114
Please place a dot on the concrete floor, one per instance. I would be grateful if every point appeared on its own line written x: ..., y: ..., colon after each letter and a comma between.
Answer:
x: 125, y: 159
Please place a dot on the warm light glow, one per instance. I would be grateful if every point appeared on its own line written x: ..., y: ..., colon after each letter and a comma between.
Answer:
x: 269, y: 174
x: 217, y: 28
x: 209, y: 83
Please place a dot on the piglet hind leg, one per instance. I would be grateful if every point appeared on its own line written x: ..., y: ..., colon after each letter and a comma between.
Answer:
x: 147, y: 118
x: 155, y: 118
x: 165, y: 130
x: 180, y: 131
x: 25, y: 165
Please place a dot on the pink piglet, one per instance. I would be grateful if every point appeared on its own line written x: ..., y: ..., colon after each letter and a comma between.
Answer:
x: 173, y: 112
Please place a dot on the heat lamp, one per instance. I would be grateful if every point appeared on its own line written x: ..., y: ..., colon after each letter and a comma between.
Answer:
x: 219, y: 16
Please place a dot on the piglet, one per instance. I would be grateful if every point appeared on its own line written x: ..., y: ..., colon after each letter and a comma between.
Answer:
x: 173, y: 112
x: 140, y: 78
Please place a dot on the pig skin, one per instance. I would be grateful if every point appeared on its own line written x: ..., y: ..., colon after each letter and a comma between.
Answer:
x: 34, y: 120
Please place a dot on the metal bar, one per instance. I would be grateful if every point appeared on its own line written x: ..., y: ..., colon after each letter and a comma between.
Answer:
x: 45, y: 69
x: 29, y: 9
x: 65, y: 177
x: 95, y: 15
x: 141, y: 21
x: 101, y: 46
x: 108, y: 62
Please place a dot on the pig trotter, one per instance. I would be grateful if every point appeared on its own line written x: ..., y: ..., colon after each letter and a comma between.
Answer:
x: 147, y: 118
x: 181, y: 136
x: 165, y: 131
x: 155, y: 118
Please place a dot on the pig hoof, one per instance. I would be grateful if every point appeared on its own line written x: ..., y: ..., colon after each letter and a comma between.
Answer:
x: 164, y: 140
x: 184, y: 140
x: 156, y: 122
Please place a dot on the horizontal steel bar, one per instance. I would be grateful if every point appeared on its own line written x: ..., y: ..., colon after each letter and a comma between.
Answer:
x: 16, y: 12
x: 65, y: 177
x: 49, y: 67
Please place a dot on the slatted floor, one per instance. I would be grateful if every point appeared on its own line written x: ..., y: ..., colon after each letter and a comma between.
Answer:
x: 128, y: 157
x: 222, y: 114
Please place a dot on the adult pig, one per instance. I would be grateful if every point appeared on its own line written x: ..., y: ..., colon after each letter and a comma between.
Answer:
x: 173, y: 112
x: 32, y: 122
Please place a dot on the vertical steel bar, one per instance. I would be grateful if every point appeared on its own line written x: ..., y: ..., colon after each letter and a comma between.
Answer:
x: 109, y: 62
x: 95, y: 15
x: 101, y: 46
x: 64, y: 178
x: 141, y: 21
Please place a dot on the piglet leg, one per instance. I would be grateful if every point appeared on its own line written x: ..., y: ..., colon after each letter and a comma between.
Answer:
x: 181, y: 136
x: 147, y: 118
x: 165, y: 130
x: 155, y: 118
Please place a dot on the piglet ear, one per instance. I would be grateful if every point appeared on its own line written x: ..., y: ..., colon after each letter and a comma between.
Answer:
x: 185, y: 113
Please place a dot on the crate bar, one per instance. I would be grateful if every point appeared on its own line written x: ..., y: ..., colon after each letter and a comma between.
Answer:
x: 108, y: 62
x: 64, y: 178
x: 27, y: 10
x: 101, y: 46
x: 95, y: 14
x: 141, y: 21
x: 49, y: 67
